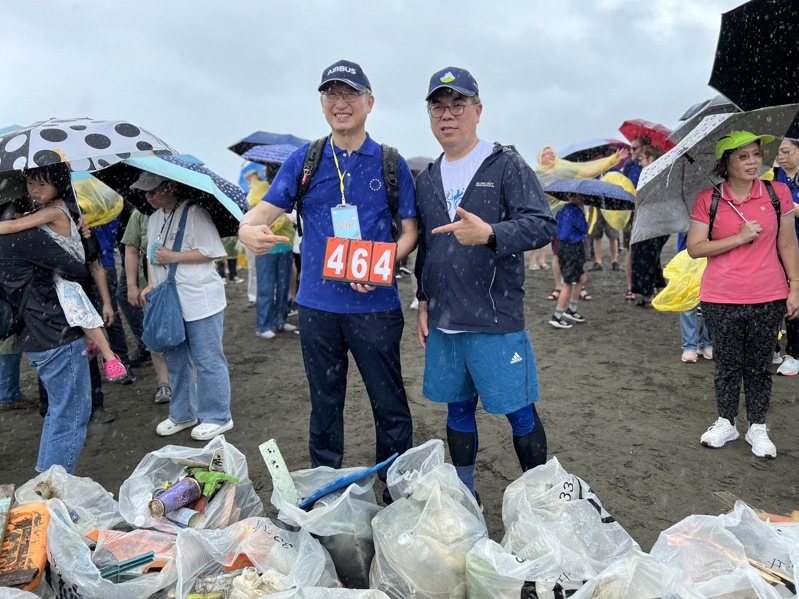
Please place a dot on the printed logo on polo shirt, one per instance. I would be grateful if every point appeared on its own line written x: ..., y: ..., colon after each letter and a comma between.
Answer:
x: 343, y: 69
x: 484, y: 184
x: 376, y: 184
x: 447, y: 77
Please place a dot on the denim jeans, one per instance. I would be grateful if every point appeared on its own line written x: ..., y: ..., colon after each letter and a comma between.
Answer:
x: 693, y: 330
x: 274, y: 277
x: 9, y: 378
x: 64, y: 371
x: 198, y: 373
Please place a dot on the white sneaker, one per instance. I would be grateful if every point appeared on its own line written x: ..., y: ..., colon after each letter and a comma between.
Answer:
x: 288, y: 328
x: 414, y: 304
x: 789, y: 366
x: 266, y: 334
x: 719, y: 433
x: 757, y: 437
x: 689, y: 356
x: 707, y: 353
x: 168, y: 427
x: 207, y: 431
x: 777, y: 359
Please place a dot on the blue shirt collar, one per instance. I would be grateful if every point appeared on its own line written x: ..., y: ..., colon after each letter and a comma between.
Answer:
x: 368, y: 148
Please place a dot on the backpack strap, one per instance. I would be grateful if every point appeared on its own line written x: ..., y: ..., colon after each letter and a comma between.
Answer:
x: 714, y: 207
x: 775, y: 202
x: 391, y: 178
x: 312, y: 159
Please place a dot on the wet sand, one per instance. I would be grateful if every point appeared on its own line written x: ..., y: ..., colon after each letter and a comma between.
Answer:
x: 620, y: 409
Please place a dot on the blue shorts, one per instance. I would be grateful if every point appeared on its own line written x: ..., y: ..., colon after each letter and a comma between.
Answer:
x: 499, y: 368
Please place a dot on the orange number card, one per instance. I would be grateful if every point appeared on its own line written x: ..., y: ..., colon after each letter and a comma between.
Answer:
x: 359, y: 261
x: 335, y: 266
x: 383, y: 259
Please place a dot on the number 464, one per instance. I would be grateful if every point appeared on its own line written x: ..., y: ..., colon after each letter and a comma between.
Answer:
x: 356, y: 261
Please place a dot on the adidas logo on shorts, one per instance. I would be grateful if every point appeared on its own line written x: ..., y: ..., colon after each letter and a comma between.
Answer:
x: 516, y: 358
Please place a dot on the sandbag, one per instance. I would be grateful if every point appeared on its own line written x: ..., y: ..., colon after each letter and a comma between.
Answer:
x: 289, y: 559
x: 341, y: 520
x: 231, y: 503
x: 421, y: 540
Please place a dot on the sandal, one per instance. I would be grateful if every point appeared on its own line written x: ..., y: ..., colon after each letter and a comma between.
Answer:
x: 114, y: 369
x: 629, y: 295
x: 585, y: 296
x: 554, y: 295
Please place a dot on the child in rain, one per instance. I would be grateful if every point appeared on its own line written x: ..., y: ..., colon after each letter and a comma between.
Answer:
x: 48, y: 186
x: 569, y: 235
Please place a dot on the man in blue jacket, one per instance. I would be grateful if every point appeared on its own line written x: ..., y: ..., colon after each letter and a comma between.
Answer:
x: 480, y: 208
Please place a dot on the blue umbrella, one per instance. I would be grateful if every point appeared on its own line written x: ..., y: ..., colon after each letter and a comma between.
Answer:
x: 607, y: 196
x: 275, y: 154
x: 224, y: 201
x: 265, y: 138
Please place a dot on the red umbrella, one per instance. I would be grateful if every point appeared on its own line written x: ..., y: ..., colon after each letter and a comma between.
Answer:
x: 659, y: 134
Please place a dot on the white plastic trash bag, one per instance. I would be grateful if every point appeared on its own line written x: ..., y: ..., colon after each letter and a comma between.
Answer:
x: 288, y: 560
x: 638, y: 576
x: 741, y: 582
x: 554, y: 519
x: 493, y: 572
x: 74, y: 575
x: 421, y: 541
x: 89, y: 504
x: 231, y: 503
x: 320, y: 593
x: 341, y: 520
x: 711, y: 549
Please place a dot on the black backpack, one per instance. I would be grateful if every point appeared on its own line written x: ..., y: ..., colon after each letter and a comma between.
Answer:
x: 390, y: 176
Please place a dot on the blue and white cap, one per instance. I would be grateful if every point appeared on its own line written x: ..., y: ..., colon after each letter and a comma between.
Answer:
x: 459, y: 80
x: 347, y: 72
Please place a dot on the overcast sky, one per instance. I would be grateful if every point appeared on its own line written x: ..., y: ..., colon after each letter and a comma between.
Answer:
x: 203, y: 74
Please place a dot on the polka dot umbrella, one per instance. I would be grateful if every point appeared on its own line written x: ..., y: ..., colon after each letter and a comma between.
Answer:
x: 85, y: 144
x: 223, y: 200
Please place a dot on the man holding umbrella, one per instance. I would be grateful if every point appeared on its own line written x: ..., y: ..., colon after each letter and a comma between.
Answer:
x: 481, y: 207
x: 336, y: 317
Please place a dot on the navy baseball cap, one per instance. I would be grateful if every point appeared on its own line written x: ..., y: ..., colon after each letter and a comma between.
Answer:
x: 459, y: 80
x: 347, y: 72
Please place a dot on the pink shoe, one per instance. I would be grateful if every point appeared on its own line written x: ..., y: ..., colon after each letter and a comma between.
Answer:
x: 114, y: 369
x: 689, y: 356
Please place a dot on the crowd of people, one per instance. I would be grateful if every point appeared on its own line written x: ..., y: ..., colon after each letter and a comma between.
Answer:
x: 472, y: 216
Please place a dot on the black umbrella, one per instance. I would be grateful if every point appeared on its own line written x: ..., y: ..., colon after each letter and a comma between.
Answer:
x: 757, y: 57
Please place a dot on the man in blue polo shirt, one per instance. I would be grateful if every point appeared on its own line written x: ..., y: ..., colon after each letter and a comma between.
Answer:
x: 339, y: 317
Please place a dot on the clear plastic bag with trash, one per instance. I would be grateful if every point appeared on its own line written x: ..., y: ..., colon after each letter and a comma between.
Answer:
x: 342, y: 520
x: 231, y: 503
x: 320, y: 593
x: 88, y: 503
x: 75, y: 575
x: 555, y: 521
x: 635, y: 576
x: 421, y: 540
x: 281, y: 560
x: 729, y: 551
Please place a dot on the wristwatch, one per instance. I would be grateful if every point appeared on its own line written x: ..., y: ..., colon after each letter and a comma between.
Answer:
x: 492, y: 240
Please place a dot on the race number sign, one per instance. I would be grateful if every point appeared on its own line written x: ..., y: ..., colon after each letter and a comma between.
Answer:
x: 357, y: 261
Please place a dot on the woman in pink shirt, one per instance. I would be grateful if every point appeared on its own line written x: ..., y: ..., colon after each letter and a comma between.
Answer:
x: 752, y: 269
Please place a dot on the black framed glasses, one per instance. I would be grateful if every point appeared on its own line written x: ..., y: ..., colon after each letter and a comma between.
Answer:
x: 455, y: 109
